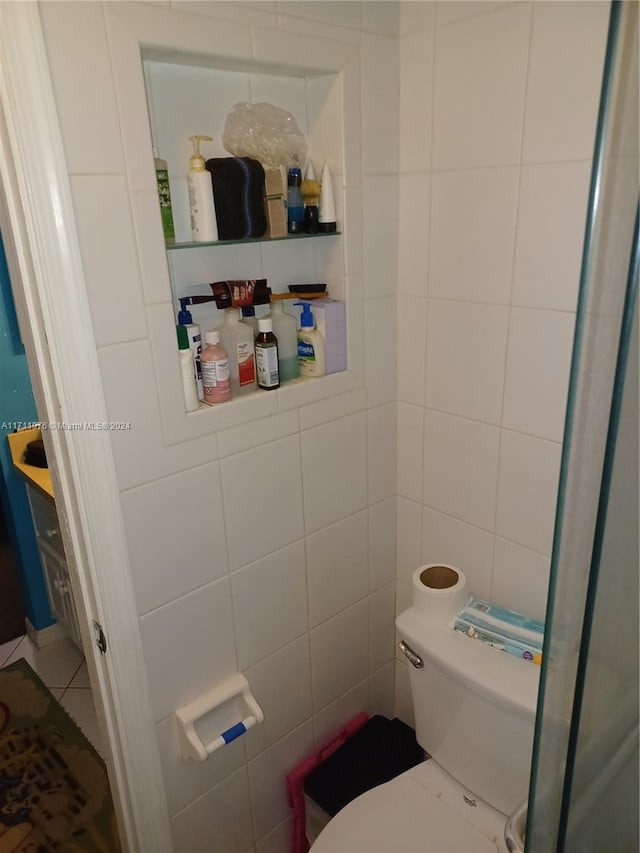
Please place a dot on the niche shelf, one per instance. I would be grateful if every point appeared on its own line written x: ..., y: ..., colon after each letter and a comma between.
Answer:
x: 220, y: 243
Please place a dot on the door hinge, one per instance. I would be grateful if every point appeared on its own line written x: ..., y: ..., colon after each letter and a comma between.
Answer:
x: 101, y: 640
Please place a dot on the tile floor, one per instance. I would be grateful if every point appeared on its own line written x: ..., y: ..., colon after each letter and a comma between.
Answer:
x: 62, y: 668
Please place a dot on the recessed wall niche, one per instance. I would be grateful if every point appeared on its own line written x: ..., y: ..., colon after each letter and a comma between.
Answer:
x: 187, y: 99
x: 177, y: 74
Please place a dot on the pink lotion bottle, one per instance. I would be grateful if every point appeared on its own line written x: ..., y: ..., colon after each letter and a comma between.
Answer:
x: 214, y: 363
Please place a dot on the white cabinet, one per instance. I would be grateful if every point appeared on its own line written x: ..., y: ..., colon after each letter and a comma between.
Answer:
x: 54, y: 563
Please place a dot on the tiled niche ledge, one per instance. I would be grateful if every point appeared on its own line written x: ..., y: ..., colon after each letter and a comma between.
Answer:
x: 179, y: 425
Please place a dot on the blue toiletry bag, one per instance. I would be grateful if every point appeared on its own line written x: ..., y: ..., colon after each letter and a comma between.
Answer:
x: 238, y: 191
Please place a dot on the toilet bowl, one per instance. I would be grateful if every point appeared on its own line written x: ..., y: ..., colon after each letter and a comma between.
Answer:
x: 423, y: 810
x: 475, y: 710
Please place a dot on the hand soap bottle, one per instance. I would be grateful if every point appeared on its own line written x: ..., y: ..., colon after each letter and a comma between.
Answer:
x: 310, y: 344
x: 204, y: 226
x: 237, y: 339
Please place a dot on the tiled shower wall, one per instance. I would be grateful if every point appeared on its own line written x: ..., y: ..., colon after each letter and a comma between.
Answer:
x: 497, y: 120
x: 268, y: 548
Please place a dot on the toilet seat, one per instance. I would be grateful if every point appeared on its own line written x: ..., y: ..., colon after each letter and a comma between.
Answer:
x: 424, y: 810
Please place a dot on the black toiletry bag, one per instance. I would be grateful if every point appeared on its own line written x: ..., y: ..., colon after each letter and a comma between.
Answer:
x: 238, y: 191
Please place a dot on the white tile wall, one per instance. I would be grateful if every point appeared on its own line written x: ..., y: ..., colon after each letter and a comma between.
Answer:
x: 160, y: 553
x: 269, y: 603
x: 504, y: 157
x: 337, y: 567
x: 466, y: 346
x: 465, y: 233
x: 481, y: 66
x: 473, y: 219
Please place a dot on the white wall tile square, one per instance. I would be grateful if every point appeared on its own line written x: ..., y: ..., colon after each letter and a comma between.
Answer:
x: 382, y: 604
x: 332, y: 409
x: 340, y: 14
x: 416, y: 16
x: 473, y: 223
x: 277, y: 840
x: 466, y: 347
x: 461, y: 468
x: 188, y: 647
x: 335, y: 716
x: 448, y: 12
x: 337, y: 567
x: 537, y: 380
x: 417, y: 54
x: 381, y: 454
x: 112, y: 277
x: 162, y: 569
x: 450, y: 541
x: 184, y: 782
x: 257, y: 433
x: 281, y: 685
x: 382, y: 543
x: 380, y: 103
x: 381, y: 17
x: 256, y: 524
x: 562, y: 97
x: 412, y: 333
x: 410, y: 447
x: 84, y: 100
x: 520, y: 578
x: 404, y: 599
x: 219, y: 821
x: 267, y: 778
x: 269, y: 603
x: 140, y: 453
x: 380, y: 350
x: 481, y: 66
x: 380, y: 234
x: 334, y: 464
x: 408, y: 538
x: 551, y: 225
x: 527, y: 490
x: 332, y: 671
x: 413, y: 233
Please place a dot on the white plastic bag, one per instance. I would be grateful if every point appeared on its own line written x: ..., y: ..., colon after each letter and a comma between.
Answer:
x: 265, y: 132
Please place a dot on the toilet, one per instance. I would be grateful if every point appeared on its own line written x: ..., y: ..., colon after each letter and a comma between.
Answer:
x: 474, y: 713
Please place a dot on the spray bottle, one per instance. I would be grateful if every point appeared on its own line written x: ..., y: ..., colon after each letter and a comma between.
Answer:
x: 204, y: 226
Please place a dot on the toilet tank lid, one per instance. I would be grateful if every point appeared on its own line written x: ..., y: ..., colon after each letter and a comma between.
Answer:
x: 486, y: 670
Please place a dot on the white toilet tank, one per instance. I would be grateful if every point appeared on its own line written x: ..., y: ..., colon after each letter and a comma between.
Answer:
x: 474, y: 709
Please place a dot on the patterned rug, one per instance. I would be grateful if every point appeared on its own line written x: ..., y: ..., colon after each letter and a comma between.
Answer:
x: 54, y: 792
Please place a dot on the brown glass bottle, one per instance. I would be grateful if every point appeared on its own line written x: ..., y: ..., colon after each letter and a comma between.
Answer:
x: 267, y: 356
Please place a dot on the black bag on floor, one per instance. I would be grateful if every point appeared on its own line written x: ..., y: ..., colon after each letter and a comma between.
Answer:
x: 238, y: 191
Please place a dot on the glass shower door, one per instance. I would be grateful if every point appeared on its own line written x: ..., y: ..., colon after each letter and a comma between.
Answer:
x: 584, y: 784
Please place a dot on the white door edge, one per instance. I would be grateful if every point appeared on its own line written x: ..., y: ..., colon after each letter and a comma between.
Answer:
x: 41, y: 242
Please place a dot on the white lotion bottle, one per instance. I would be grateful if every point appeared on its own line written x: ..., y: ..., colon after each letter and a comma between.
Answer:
x: 204, y: 225
x: 187, y: 371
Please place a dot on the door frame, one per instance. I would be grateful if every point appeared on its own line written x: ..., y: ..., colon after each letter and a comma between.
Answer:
x: 41, y: 242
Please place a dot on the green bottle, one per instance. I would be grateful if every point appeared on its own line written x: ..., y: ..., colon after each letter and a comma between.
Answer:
x: 164, y: 196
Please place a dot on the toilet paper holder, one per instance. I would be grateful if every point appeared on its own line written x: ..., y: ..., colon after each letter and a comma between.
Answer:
x: 216, y: 718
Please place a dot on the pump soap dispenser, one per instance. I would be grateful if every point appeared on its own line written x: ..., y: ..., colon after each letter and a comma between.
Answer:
x: 310, y: 344
x: 204, y: 226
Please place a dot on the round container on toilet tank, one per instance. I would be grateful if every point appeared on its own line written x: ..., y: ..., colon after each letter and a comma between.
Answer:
x: 439, y: 591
